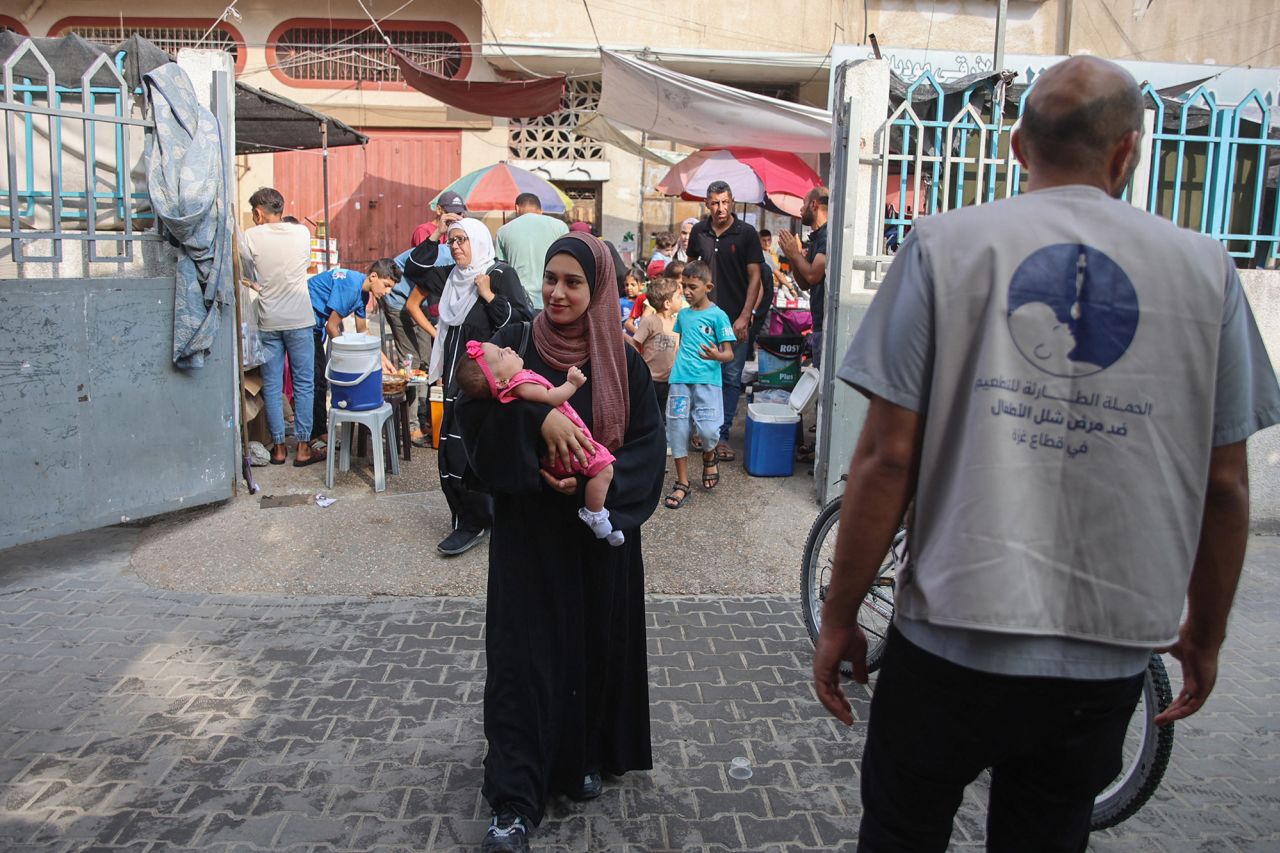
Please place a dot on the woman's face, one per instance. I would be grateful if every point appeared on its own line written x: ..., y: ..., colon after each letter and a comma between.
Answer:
x: 460, y: 245
x: 565, y: 292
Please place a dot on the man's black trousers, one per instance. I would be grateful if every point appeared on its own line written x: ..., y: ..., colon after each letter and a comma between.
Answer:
x: 1052, y: 745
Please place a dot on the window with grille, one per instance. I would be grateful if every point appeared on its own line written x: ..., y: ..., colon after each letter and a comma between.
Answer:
x: 170, y: 39
x: 551, y: 137
x: 358, y: 53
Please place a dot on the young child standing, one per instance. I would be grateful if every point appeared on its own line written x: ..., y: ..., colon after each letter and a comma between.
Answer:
x: 656, y: 339
x: 694, y: 396
x: 498, y: 373
x: 631, y: 291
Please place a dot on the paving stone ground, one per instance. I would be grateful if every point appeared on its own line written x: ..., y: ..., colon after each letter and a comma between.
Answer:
x: 143, y: 720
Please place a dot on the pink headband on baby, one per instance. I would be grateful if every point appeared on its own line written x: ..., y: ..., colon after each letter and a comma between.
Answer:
x: 475, y: 350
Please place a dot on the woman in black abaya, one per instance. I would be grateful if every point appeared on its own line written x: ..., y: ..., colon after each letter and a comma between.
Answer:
x: 566, y: 692
x: 476, y: 295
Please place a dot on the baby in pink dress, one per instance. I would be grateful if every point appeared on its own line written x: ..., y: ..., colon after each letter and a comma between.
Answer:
x: 504, y: 379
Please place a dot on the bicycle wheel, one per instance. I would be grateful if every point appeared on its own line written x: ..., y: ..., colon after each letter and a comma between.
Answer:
x: 1146, y: 753
x: 877, y: 608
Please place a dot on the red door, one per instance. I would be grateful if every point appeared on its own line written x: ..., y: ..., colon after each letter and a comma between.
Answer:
x: 378, y: 193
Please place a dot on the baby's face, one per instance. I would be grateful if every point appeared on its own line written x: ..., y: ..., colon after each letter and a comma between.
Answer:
x: 503, y: 362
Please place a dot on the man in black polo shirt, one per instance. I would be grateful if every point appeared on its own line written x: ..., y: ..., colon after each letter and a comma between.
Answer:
x: 811, y: 266
x: 732, y: 248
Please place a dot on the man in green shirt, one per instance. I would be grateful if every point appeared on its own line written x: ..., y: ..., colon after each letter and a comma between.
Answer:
x: 523, y: 243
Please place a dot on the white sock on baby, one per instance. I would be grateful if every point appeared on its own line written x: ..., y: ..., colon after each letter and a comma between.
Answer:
x: 600, y: 526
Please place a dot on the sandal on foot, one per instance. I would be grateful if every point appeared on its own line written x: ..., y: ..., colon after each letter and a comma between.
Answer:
x: 710, y: 478
x: 671, y: 501
x: 724, y: 452
x: 316, y: 456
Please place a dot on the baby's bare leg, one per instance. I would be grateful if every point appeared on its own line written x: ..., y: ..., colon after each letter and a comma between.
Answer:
x: 598, y: 489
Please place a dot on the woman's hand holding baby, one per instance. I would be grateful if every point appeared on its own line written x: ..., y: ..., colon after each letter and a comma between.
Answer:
x: 564, y: 441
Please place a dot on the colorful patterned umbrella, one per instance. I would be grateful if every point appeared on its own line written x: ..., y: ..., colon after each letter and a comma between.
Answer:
x: 496, y: 187
x: 773, y: 178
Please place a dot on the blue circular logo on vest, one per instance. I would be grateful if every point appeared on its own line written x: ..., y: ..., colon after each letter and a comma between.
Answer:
x: 1072, y: 310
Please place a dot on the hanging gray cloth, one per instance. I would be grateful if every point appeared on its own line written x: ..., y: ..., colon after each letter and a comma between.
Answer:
x: 185, y: 179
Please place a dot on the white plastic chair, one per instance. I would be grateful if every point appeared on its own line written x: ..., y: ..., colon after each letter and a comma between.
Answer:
x: 378, y: 421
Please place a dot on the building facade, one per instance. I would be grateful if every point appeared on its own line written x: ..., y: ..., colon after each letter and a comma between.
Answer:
x: 336, y: 63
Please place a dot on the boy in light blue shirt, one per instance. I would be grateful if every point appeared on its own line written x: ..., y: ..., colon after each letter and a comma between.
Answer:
x: 695, y: 399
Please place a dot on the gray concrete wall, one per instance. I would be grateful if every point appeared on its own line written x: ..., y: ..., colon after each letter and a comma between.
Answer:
x: 98, y: 425
x: 1263, y: 289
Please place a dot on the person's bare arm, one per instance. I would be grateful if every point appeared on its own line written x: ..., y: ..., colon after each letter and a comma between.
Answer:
x: 552, y: 396
x: 882, y: 479
x: 1214, y: 576
x: 722, y: 353
x: 414, y: 306
x: 333, y: 325
x: 743, y: 323
x: 362, y: 325
x: 807, y: 274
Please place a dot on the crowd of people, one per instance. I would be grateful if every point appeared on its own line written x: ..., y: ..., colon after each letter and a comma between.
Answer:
x: 1035, y: 590
x: 567, y: 379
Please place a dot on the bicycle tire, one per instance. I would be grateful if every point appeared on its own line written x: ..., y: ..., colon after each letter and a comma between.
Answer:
x: 1144, y: 769
x: 877, y: 610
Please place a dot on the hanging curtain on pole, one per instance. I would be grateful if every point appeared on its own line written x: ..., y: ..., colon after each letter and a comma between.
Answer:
x: 505, y: 98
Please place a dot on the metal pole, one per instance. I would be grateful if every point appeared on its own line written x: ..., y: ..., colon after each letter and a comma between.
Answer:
x: 1002, y: 19
x: 328, y: 230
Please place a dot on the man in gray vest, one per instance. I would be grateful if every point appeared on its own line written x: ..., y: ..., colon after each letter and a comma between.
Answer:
x: 1063, y: 384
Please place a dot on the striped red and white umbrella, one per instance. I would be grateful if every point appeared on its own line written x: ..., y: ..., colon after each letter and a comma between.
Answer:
x: 496, y: 187
x: 756, y: 176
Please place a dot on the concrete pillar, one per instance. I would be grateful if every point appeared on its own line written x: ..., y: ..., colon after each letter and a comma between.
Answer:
x: 1262, y: 287
x: 861, y: 105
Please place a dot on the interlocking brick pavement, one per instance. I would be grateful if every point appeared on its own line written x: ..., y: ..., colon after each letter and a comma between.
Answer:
x: 141, y: 720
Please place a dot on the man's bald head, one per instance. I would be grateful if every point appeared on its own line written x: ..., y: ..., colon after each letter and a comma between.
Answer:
x: 1077, y: 113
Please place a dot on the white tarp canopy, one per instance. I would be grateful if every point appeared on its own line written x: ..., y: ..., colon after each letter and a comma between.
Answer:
x: 696, y: 112
x: 599, y: 128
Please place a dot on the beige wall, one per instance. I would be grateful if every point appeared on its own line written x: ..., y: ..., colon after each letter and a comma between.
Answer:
x: 767, y: 26
x: 1227, y: 32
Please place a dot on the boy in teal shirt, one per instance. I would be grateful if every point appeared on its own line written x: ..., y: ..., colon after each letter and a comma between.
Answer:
x: 694, y: 400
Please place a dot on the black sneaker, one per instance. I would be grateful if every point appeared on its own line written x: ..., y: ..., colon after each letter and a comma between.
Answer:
x: 461, y: 540
x: 507, y: 832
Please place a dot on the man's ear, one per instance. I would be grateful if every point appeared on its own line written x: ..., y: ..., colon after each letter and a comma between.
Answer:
x: 1123, y: 158
x: 1015, y: 142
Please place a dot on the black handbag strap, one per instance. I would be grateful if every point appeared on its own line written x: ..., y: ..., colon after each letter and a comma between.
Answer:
x: 525, y: 329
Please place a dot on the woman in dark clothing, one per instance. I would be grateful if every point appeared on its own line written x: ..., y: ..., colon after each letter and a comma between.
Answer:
x: 476, y: 296
x: 566, y: 692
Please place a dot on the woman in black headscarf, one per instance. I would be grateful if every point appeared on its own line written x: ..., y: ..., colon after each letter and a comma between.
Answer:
x: 567, y: 688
